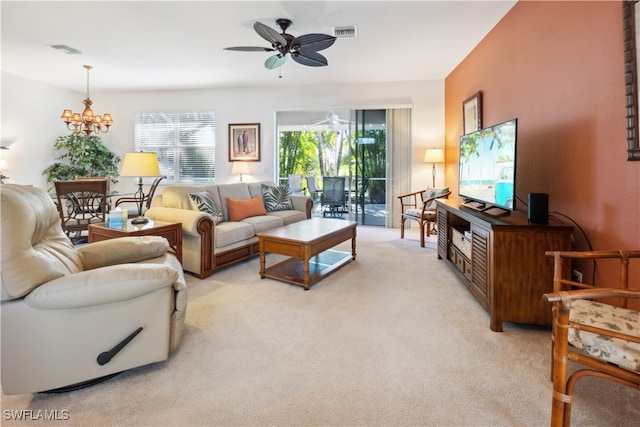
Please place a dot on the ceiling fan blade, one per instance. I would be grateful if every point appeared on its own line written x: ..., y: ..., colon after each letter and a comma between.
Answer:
x: 250, y: 49
x: 269, y: 34
x: 312, y: 59
x: 275, y: 61
x: 312, y: 42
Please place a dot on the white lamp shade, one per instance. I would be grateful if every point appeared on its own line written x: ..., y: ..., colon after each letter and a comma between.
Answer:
x: 434, y: 155
x: 140, y: 164
x: 239, y: 168
x: 3, y: 165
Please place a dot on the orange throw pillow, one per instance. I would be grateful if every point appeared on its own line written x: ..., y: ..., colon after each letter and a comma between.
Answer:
x: 244, y: 208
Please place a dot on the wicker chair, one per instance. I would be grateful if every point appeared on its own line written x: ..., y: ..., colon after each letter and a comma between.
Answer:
x: 423, y: 211
x: 605, y: 339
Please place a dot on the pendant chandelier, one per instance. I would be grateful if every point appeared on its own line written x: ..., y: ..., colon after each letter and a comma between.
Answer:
x: 87, y: 122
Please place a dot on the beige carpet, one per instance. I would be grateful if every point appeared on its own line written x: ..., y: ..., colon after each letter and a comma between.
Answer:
x: 390, y: 339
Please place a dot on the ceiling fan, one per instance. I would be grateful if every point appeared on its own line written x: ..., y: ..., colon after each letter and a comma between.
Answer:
x: 332, y: 120
x: 303, y: 49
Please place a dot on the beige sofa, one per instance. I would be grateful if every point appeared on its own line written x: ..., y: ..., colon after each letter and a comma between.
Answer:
x: 207, y: 246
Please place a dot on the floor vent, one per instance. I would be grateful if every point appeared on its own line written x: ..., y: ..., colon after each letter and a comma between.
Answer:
x: 348, y: 31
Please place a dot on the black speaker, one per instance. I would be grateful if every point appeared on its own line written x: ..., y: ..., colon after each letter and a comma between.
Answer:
x: 538, y: 208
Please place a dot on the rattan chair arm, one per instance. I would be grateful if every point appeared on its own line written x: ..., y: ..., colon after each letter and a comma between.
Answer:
x: 594, y: 254
x: 593, y: 293
x: 426, y: 202
x: 415, y: 193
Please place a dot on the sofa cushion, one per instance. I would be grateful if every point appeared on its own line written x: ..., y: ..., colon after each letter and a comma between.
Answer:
x: 276, y: 198
x: 122, y: 250
x: 228, y: 233
x: 204, y: 202
x: 625, y: 354
x: 178, y: 196
x: 264, y: 222
x: 239, y: 190
x: 240, y: 209
x: 289, y: 216
x: 255, y: 188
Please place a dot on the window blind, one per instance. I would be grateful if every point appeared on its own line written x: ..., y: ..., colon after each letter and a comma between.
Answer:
x: 185, y: 144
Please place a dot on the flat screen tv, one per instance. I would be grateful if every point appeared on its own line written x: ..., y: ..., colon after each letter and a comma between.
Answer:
x: 488, y: 167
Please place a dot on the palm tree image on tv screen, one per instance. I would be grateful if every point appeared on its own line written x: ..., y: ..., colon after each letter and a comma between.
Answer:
x: 488, y: 165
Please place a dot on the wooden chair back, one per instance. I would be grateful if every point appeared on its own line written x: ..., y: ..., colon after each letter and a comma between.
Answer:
x: 80, y: 203
x: 416, y: 207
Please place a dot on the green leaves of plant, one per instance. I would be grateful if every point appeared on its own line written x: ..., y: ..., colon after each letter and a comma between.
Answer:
x: 82, y: 156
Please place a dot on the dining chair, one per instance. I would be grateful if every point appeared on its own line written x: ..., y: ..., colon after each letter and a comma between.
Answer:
x: 81, y: 202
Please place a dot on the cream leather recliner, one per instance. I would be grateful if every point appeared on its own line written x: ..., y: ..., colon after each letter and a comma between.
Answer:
x: 70, y: 316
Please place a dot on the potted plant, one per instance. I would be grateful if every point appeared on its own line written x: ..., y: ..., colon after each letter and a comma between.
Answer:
x: 82, y: 156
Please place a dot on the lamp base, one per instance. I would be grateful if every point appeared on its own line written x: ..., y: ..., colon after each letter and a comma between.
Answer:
x: 139, y: 220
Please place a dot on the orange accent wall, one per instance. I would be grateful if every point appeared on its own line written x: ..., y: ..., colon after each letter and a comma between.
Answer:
x: 558, y: 67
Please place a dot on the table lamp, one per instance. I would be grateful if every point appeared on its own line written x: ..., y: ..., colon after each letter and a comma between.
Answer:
x: 434, y: 155
x: 239, y: 168
x: 140, y: 164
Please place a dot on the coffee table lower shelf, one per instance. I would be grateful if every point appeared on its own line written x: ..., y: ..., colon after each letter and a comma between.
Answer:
x: 291, y: 270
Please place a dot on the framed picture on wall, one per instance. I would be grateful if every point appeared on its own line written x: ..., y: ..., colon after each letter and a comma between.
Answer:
x: 472, y: 113
x: 244, y: 142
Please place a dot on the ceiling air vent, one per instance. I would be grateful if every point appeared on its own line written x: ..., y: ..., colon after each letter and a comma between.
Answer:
x: 348, y: 31
x: 66, y: 49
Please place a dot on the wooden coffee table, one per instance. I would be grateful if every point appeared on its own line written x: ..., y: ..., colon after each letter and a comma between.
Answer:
x: 172, y: 231
x: 308, y: 244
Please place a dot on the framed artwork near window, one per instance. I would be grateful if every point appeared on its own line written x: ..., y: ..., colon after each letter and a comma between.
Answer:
x: 472, y: 113
x: 244, y: 142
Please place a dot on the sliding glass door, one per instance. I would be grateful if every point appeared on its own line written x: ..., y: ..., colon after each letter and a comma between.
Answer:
x: 369, y: 137
x: 337, y: 143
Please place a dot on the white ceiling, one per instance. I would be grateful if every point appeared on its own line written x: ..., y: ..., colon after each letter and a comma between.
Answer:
x: 156, y: 45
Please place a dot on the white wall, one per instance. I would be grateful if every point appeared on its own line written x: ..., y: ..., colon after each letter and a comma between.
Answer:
x: 31, y: 111
x: 30, y: 125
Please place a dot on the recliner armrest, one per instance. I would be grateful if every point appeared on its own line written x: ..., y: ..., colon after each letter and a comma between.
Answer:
x: 122, y: 250
x: 102, y: 286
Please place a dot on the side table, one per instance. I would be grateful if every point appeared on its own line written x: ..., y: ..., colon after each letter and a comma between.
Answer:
x: 172, y: 231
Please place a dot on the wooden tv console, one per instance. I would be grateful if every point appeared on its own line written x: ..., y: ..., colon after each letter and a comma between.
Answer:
x: 502, y: 260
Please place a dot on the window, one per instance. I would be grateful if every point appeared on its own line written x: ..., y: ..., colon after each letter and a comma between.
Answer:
x: 185, y: 144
